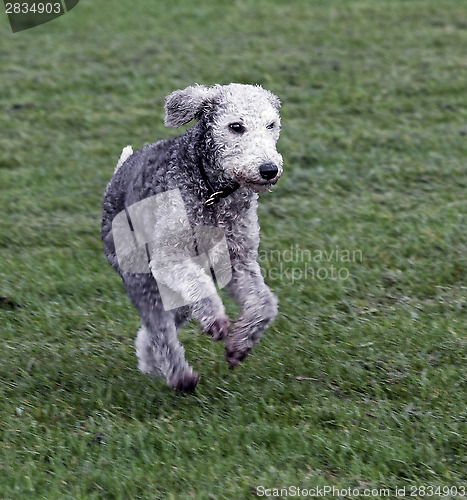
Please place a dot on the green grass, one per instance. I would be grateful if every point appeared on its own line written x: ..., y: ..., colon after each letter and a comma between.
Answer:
x: 361, y: 381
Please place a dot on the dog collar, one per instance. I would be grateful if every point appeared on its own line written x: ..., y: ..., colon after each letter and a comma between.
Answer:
x: 216, y: 194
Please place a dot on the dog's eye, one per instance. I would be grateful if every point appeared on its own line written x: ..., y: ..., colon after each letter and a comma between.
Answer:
x: 237, y: 128
x: 271, y: 125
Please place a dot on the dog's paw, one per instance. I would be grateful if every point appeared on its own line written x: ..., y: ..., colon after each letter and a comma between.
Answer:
x: 234, y: 355
x: 219, y: 328
x: 185, y: 382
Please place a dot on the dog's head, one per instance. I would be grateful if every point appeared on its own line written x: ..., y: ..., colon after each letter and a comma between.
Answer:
x: 243, y: 124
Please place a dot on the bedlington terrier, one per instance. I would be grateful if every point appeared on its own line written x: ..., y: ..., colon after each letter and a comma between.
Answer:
x: 180, y: 215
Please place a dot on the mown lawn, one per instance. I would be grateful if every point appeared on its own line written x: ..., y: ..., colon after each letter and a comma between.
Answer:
x: 361, y: 381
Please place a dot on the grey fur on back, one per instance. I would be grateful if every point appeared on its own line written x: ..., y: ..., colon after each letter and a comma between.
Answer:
x: 234, y: 142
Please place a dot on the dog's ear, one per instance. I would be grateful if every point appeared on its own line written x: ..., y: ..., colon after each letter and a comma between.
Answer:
x: 182, y: 106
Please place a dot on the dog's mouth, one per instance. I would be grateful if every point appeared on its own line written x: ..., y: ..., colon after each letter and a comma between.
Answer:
x: 259, y: 186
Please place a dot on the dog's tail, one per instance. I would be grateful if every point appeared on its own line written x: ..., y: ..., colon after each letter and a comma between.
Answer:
x: 127, y: 151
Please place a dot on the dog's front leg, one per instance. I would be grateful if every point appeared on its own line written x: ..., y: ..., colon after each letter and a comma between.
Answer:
x: 186, y: 282
x: 259, y: 308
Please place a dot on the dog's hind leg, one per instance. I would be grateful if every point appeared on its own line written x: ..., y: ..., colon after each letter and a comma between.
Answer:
x: 161, y: 354
x: 157, y: 346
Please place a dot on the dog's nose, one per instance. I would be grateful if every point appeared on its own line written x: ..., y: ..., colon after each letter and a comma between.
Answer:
x: 268, y: 170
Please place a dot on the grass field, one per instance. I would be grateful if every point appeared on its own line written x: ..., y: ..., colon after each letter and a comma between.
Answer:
x: 361, y: 381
